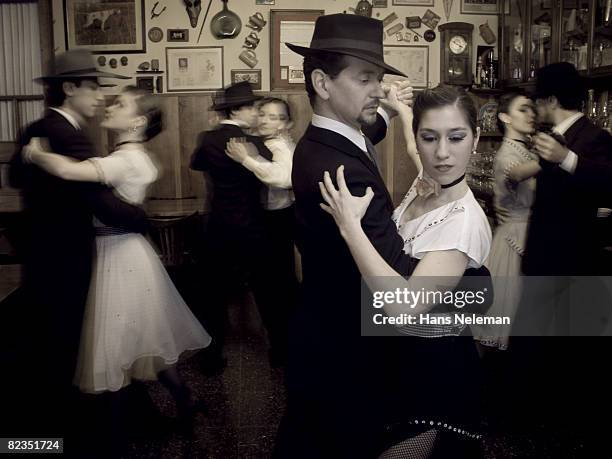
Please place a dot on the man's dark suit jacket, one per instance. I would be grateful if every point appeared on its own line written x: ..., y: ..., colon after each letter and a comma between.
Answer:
x: 59, y: 245
x: 236, y: 205
x: 331, y: 368
x: 560, y: 238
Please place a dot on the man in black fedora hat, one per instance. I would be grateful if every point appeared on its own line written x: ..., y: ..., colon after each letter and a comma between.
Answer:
x: 235, y: 234
x: 333, y: 375
x: 557, y: 377
x: 59, y: 236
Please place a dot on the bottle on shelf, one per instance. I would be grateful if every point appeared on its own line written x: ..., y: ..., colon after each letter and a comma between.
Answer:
x: 483, y: 76
x: 605, y: 116
x: 590, y: 103
x: 491, y: 75
x: 477, y: 79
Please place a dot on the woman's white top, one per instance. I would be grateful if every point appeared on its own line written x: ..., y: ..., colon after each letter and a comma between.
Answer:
x: 459, y: 225
x: 128, y: 171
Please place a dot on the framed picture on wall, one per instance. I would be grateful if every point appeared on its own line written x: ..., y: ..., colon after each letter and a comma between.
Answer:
x: 413, y: 61
x: 105, y: 27
x: 480, y: 6
x: 194, y: 69
x: 292, y: 26
x: 252, y: 76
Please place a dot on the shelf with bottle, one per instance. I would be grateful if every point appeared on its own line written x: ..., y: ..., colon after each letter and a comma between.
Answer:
x: 599, y: 110
x: 487, y: 71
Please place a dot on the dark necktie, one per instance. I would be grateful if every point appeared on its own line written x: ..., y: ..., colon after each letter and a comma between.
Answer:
x: 371, y: 151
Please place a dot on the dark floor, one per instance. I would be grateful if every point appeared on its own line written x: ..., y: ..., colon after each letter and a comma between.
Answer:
x: 246, y: 403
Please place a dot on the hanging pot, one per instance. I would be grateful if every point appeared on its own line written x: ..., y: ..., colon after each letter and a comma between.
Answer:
x: 225, y: 24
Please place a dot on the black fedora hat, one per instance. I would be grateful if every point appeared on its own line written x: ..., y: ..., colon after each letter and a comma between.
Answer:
x: 234, y: 96
x: 348, y: 34
x: 559, y: 78
x: 78, y: 63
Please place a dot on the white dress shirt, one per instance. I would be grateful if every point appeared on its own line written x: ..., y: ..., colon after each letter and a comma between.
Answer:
x: 571, y: 160
x: 345, y: 130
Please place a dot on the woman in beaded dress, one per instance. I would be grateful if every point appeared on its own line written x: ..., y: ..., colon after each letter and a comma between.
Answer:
x: 434, y: 383
x: 515, y: 170
x: 136, y: 325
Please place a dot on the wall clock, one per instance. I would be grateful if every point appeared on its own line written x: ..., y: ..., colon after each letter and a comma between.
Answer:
x: 456, y: 53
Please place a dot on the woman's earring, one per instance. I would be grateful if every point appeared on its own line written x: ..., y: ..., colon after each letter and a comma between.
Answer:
x: 474, y: 152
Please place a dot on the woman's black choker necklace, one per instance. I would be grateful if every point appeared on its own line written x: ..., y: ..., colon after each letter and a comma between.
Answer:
x: 453, y: 183
x: 524, y: 142
x: 127, y: 141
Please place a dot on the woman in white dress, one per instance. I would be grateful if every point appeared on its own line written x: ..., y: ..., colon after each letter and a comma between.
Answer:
x: 515, y: 170
x: 445, y: 229
x: 136, y: 324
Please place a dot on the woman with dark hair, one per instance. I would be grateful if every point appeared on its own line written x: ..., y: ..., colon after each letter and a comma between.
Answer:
x: 445, y: 229
x: 136, y: 324
x: 515, y: 170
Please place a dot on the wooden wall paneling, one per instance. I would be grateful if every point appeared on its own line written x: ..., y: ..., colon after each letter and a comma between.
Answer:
x: 45, y: 24
x: 194, y: 117
x: 300, y: 111
x: 404, y: 170
x: 165, y: 148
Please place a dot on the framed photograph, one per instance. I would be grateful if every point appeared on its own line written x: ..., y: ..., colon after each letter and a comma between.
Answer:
x: 252, y: 76
x: 194, y: 69
x: 264, y: 2
x: 413, y: 2
x: 480, y: 6
x: 105, y: 27
x: 430, y: 19
x: 292, y: 26
x: 178, y: 35
x: 413, y: 61
x: 379, y: 3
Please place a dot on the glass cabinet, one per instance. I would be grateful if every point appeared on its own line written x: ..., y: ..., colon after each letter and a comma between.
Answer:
x: 513, y: 42
x: 575, y: 28
x: 601, y: 58
x: 539, y: 32
x: 540, y: 36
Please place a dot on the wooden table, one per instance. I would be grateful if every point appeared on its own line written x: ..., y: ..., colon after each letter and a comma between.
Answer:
x: 175, y: 207
x: 10, y: 280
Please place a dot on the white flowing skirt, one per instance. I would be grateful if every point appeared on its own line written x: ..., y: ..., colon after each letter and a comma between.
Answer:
x: 504, y: 263
x: 136, y: 323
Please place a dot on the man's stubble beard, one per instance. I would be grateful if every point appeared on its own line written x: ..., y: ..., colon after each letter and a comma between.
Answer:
x: 366, y: 120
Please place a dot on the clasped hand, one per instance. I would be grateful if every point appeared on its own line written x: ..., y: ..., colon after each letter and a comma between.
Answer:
x: 239, y: 149
x: 399, y: 95
x: 549, y: 149
x: 346, y: 209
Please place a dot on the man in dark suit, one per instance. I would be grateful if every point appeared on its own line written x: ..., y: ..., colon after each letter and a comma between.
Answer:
x: 564, y: 213
x: 333, y: 374
x: 236, y: 240
x: 59, y: 244
x: 560, y: 374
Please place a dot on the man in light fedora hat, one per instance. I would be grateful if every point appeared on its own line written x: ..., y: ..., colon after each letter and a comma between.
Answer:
x: 333, y: 374
x: 235, y: 233
x: 59, y: 239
